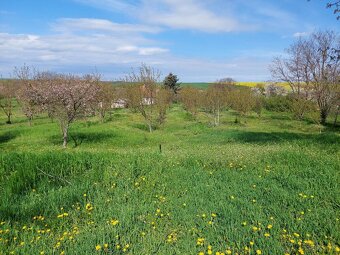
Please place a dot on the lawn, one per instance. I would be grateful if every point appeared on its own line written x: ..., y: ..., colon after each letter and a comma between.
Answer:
x: 269, y: 185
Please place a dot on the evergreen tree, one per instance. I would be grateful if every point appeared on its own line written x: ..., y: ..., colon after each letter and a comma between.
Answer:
x: 171, y: 82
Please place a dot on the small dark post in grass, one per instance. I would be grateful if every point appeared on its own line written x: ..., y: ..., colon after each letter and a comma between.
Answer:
x: 160, y: 148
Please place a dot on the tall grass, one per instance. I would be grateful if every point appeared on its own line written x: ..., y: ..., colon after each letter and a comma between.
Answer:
x: 268, y: 185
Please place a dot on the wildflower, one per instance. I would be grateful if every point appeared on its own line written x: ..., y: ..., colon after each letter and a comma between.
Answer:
x: 62, y: 215
x: 228, y: 251
x: 98, y: 247
x: 255, y: 229
x: 267, y: 235
x: 244, y: 223
x: 106, y: 245
x: 89, y: 207
x: 172, y: 237
x: 201, y: 253
x: 258, y: 252
x: 300, y: 250
x: 309, y: 242
x: 213, y: 215
x: 269, y: 226
x: 114, y: 222
x: 251, y: 243
x: 84, y: 195
x: 200, y: 241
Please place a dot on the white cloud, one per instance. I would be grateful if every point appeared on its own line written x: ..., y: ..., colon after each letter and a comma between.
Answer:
x: 301, y: 34
x: 83, y: 42
x: 189, y: 14
x: 115, y: 56
x: 85, y: 24
x: 176, y: 14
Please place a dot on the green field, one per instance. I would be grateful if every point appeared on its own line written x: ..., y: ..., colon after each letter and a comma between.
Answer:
x: 269, y: 185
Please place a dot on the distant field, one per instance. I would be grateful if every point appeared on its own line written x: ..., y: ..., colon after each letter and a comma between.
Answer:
x: 267, y: 186
x: 204, y: 85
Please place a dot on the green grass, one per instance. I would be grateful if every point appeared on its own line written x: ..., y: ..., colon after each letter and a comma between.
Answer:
x: 272, y: 171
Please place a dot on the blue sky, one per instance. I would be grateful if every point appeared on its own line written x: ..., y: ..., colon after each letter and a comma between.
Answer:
x: 199, y: 40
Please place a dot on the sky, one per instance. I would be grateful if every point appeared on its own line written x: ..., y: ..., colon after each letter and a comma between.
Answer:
x: 198, y: 40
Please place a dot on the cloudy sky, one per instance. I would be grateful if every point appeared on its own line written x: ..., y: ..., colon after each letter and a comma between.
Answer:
x: 200, y: 40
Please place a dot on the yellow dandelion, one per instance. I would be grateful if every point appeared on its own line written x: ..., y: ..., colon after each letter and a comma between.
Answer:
x: 258, y: 252
x: 98, y: 247
x: 114, y: 222
x: 301, y: 251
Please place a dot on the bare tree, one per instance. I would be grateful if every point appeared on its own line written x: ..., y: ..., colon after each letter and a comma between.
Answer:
x: 106, y: 96
x: 163, y: 101
x: 242, y: 101
x: 28, y: 94
x: 215, y: 100
x: 312, y: 69
x: 191, y: 98
x: 65, y: 97
x: 335, y: 5
x: 8, y: 89
x: 144, y: 95
x: 227, y: 81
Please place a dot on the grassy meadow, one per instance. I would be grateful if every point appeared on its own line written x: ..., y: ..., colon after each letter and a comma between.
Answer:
x: 269, y: 185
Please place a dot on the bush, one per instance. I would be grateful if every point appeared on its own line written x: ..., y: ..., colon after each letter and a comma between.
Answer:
x: 277, y: 103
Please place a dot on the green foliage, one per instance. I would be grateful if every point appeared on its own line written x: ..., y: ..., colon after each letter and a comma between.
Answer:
x: 277, y: 104
x: 171, y: 82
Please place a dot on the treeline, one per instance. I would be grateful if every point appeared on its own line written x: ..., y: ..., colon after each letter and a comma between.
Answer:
x: 311, y: 68
x: 66, y: 98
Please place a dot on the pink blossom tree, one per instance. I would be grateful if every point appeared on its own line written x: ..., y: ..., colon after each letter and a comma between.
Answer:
x: 65, y: 98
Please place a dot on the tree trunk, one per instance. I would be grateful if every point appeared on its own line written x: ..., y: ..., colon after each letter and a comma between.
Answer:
x: 65, y: 135
x: 9, y: 119
x: 323, y: 116
x: 336, y: 116
x: 102, y: 116
x: 150, y: 127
